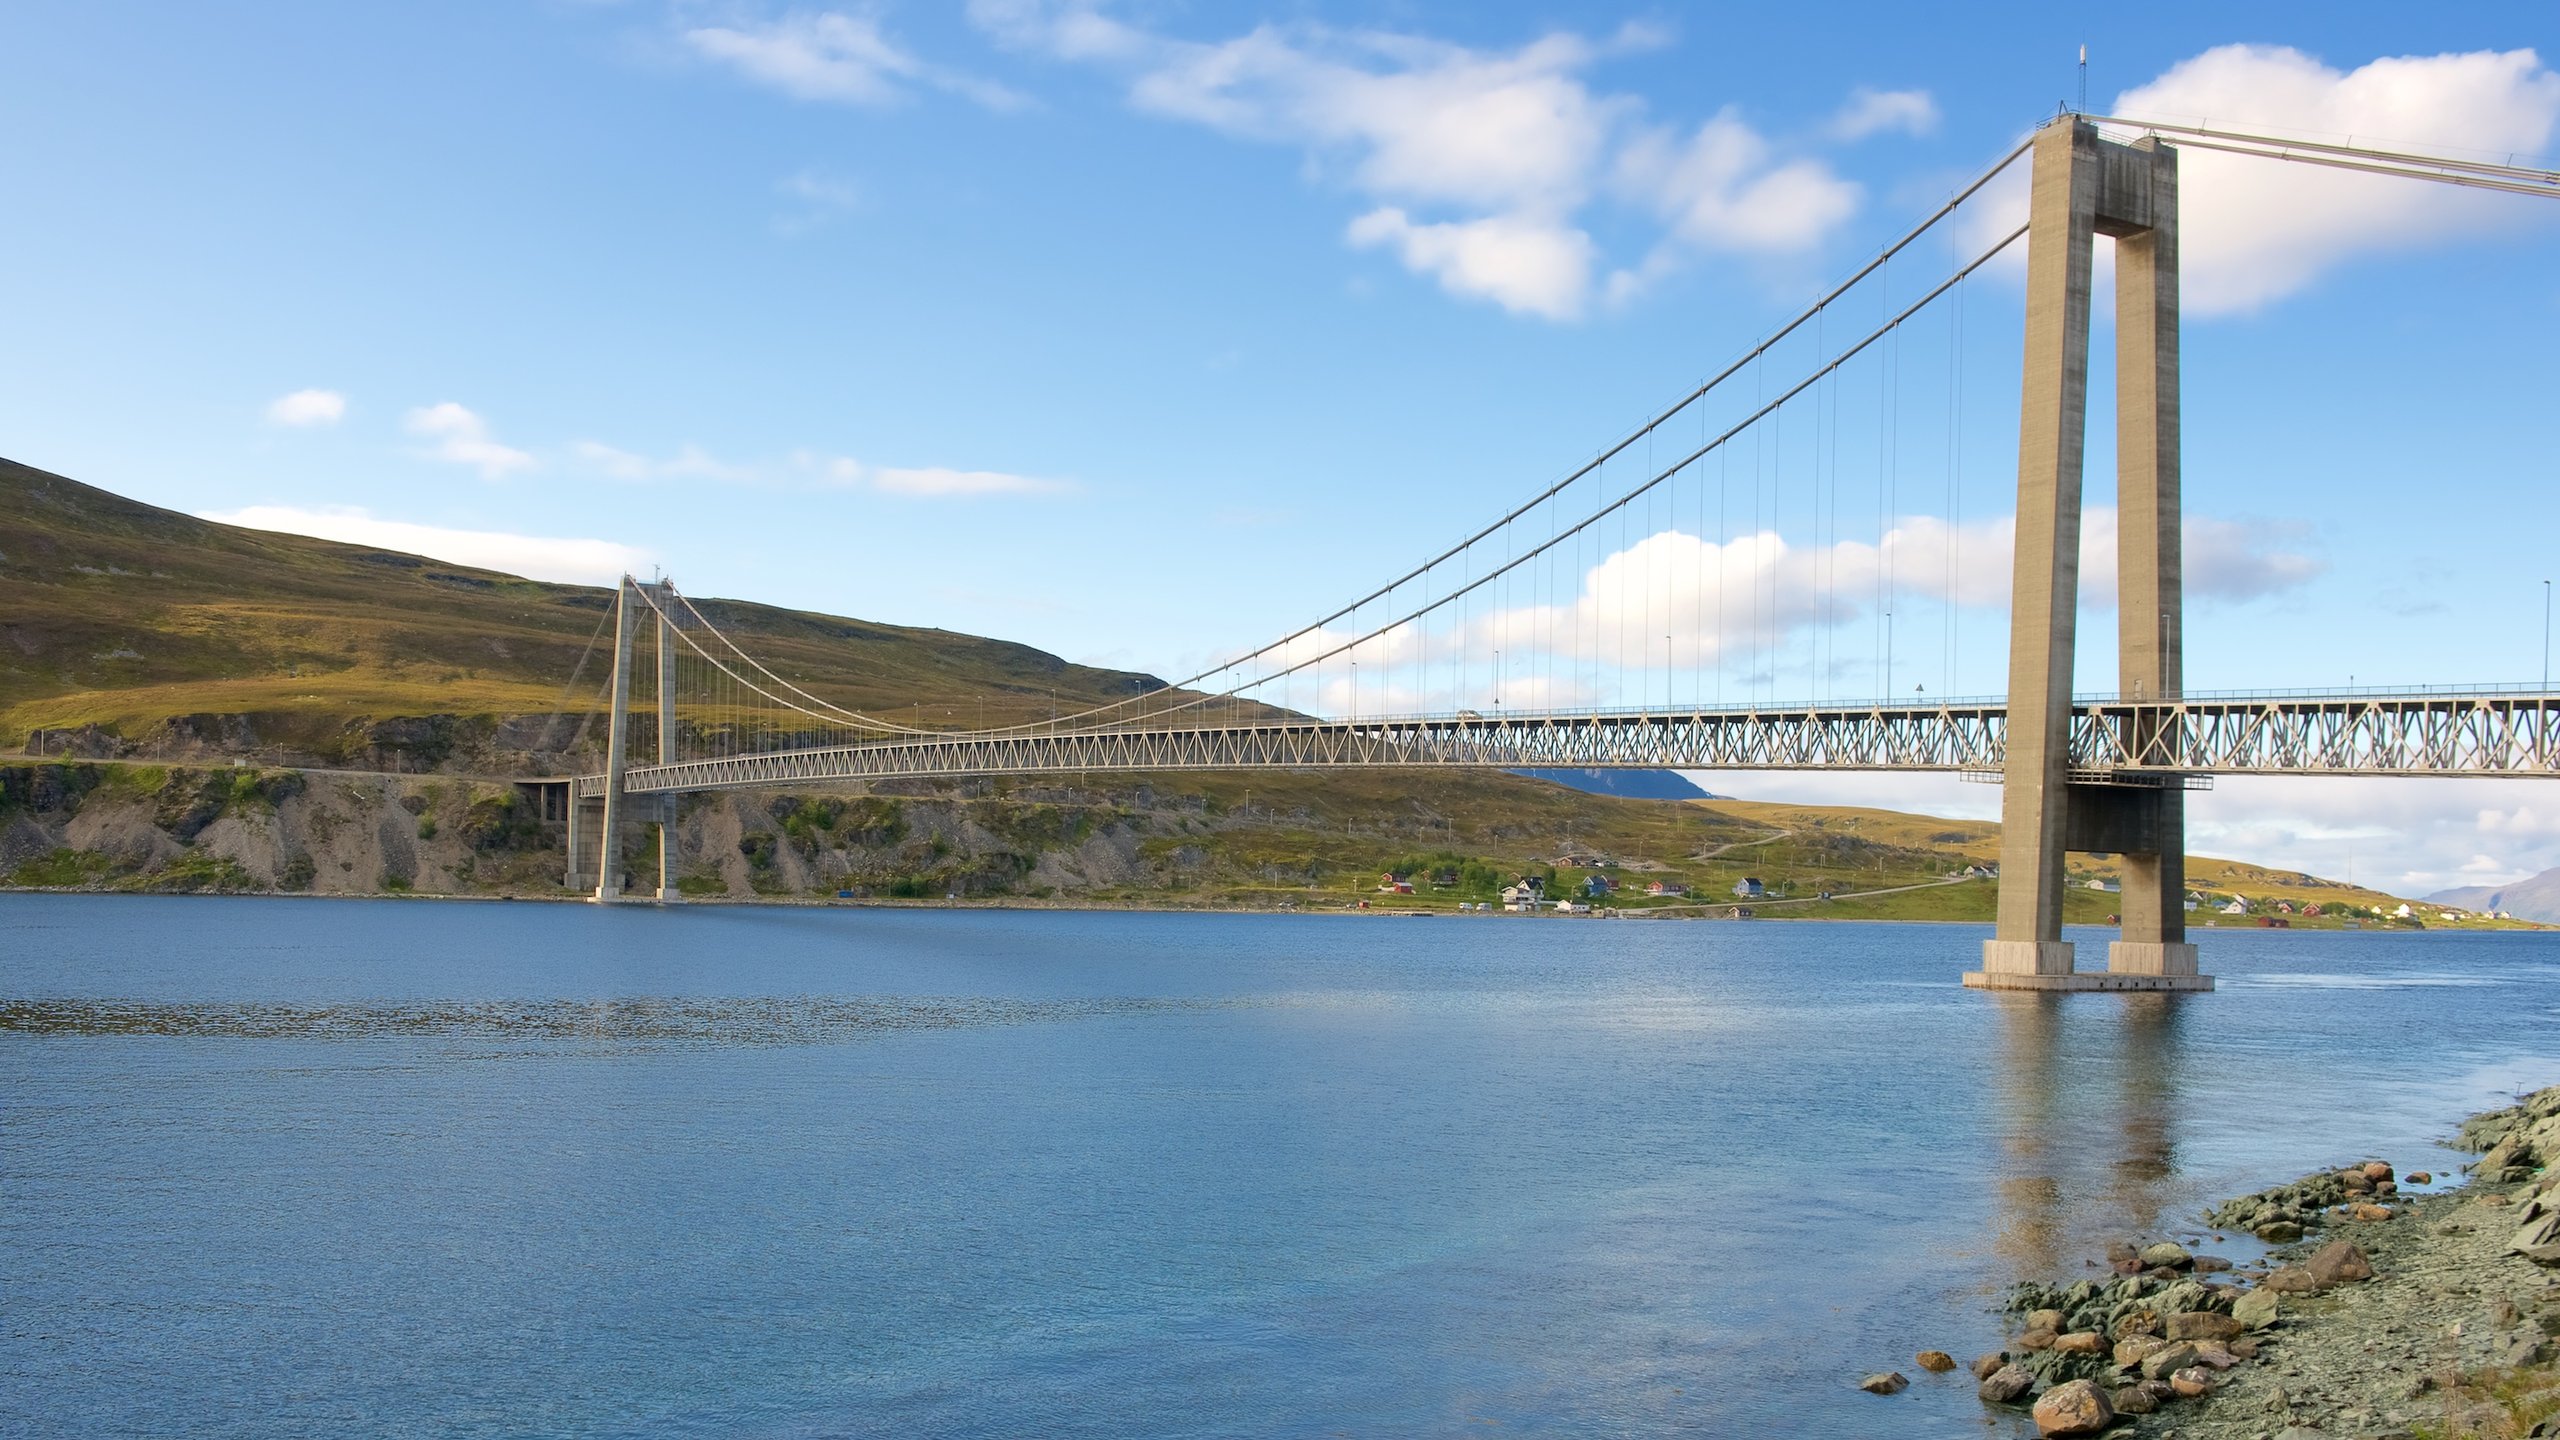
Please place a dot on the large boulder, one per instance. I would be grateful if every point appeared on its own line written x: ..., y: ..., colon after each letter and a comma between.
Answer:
x: 2167, y: 1255
x: 1890, y: 1382
x: 2076, y: 1408
x: 2542, y: 1228
x: 1987, y: 1362
x: 2191, y: 1382
x: 2257, y: 1309
x: 2203, y: 1325
x: 1936, y: 1362
x: 2337, y: 1263
x: 2133, y: 1349
x: 2174, y: 1356
x: 2005, y: 1386
x: 2291, y: 1280
x: 2135, y: 1321
x: 2132, y: 1400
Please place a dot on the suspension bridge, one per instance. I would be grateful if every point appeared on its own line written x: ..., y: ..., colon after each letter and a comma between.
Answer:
x: 1643, y: 610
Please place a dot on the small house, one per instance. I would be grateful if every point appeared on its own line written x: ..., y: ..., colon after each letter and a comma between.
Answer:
x: 1749, y: 888
x: 1391, y: 883
x: 1666, y: 887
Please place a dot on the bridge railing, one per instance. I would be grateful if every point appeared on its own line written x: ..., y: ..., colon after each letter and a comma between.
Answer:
x: 2481, y: 731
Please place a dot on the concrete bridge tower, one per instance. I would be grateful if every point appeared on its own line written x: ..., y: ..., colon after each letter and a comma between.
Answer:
x: 2083, y: 187
x: 629, y: 606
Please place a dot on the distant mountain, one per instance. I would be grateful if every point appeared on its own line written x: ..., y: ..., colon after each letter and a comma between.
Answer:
x: 1628, y: 784
x: 2534, y: 899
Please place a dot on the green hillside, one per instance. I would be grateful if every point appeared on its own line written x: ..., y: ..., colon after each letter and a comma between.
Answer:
x: 131, y: 635
x: 142, y: 625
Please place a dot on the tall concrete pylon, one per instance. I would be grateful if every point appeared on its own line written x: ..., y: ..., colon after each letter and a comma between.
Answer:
x: 667, y: 892
x: 630, y: 604
x: 2083, y: 187
x: 617, y: 747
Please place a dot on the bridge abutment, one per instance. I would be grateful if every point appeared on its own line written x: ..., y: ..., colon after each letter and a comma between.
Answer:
x: 2083, y: 187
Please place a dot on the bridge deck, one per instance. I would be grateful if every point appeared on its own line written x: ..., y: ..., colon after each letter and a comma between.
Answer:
x: 2439, y: 733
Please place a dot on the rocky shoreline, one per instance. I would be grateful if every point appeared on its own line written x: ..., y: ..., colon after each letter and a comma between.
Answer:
x: 2374, y: 1312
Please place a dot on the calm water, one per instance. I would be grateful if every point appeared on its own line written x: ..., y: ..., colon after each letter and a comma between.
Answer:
x: 279, y: 1167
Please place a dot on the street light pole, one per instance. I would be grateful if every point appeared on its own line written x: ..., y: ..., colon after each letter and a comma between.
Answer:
x: 2546, y: 635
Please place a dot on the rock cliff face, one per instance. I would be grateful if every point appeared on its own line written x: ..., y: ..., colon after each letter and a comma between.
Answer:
x: 239, y: 828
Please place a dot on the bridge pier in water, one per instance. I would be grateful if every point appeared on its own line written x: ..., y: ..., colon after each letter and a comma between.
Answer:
x: 2083, y: 187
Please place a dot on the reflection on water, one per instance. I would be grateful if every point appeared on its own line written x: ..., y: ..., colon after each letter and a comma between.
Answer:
x: 2399, y: 980
x: 2088, y: 1092
x: 750, y: 1020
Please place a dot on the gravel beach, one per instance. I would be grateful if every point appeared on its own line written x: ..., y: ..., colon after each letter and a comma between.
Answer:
x: 2362, y: 1310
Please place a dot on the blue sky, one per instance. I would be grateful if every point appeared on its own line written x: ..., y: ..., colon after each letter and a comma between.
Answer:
x: 1146, y: 332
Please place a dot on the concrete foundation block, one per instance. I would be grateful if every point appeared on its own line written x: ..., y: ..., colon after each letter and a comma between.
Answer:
x: 2150, y: 957
x: 2026, y: 957
x: 2084, y: 980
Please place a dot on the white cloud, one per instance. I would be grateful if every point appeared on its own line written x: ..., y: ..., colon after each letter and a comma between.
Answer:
x: 462, y: 438
x: 690, y: 462
x: 1526, y: 266
x: 937, y: 482
x: 2408, y: 837
x: 304, y: 408
x: 835, y: 57
x: 1697, y: 601
x: 932, y: 482
x: 2254, y: 231
x: 1873, y: 112
x: 1721, y: 189
x: 1477, y: 163
x: 2400, y: 836
x: 538, y: 557
x: 2243, y: 560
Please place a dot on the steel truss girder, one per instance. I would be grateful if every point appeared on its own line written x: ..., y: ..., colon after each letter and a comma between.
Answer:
x: 2485, y: 733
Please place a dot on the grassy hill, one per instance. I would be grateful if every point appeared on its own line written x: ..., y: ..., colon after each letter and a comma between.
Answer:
x: 144, y: 626
x: 135, y: 633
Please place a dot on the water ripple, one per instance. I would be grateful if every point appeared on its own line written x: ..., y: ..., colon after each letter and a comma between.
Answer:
x: 751, y: 1020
